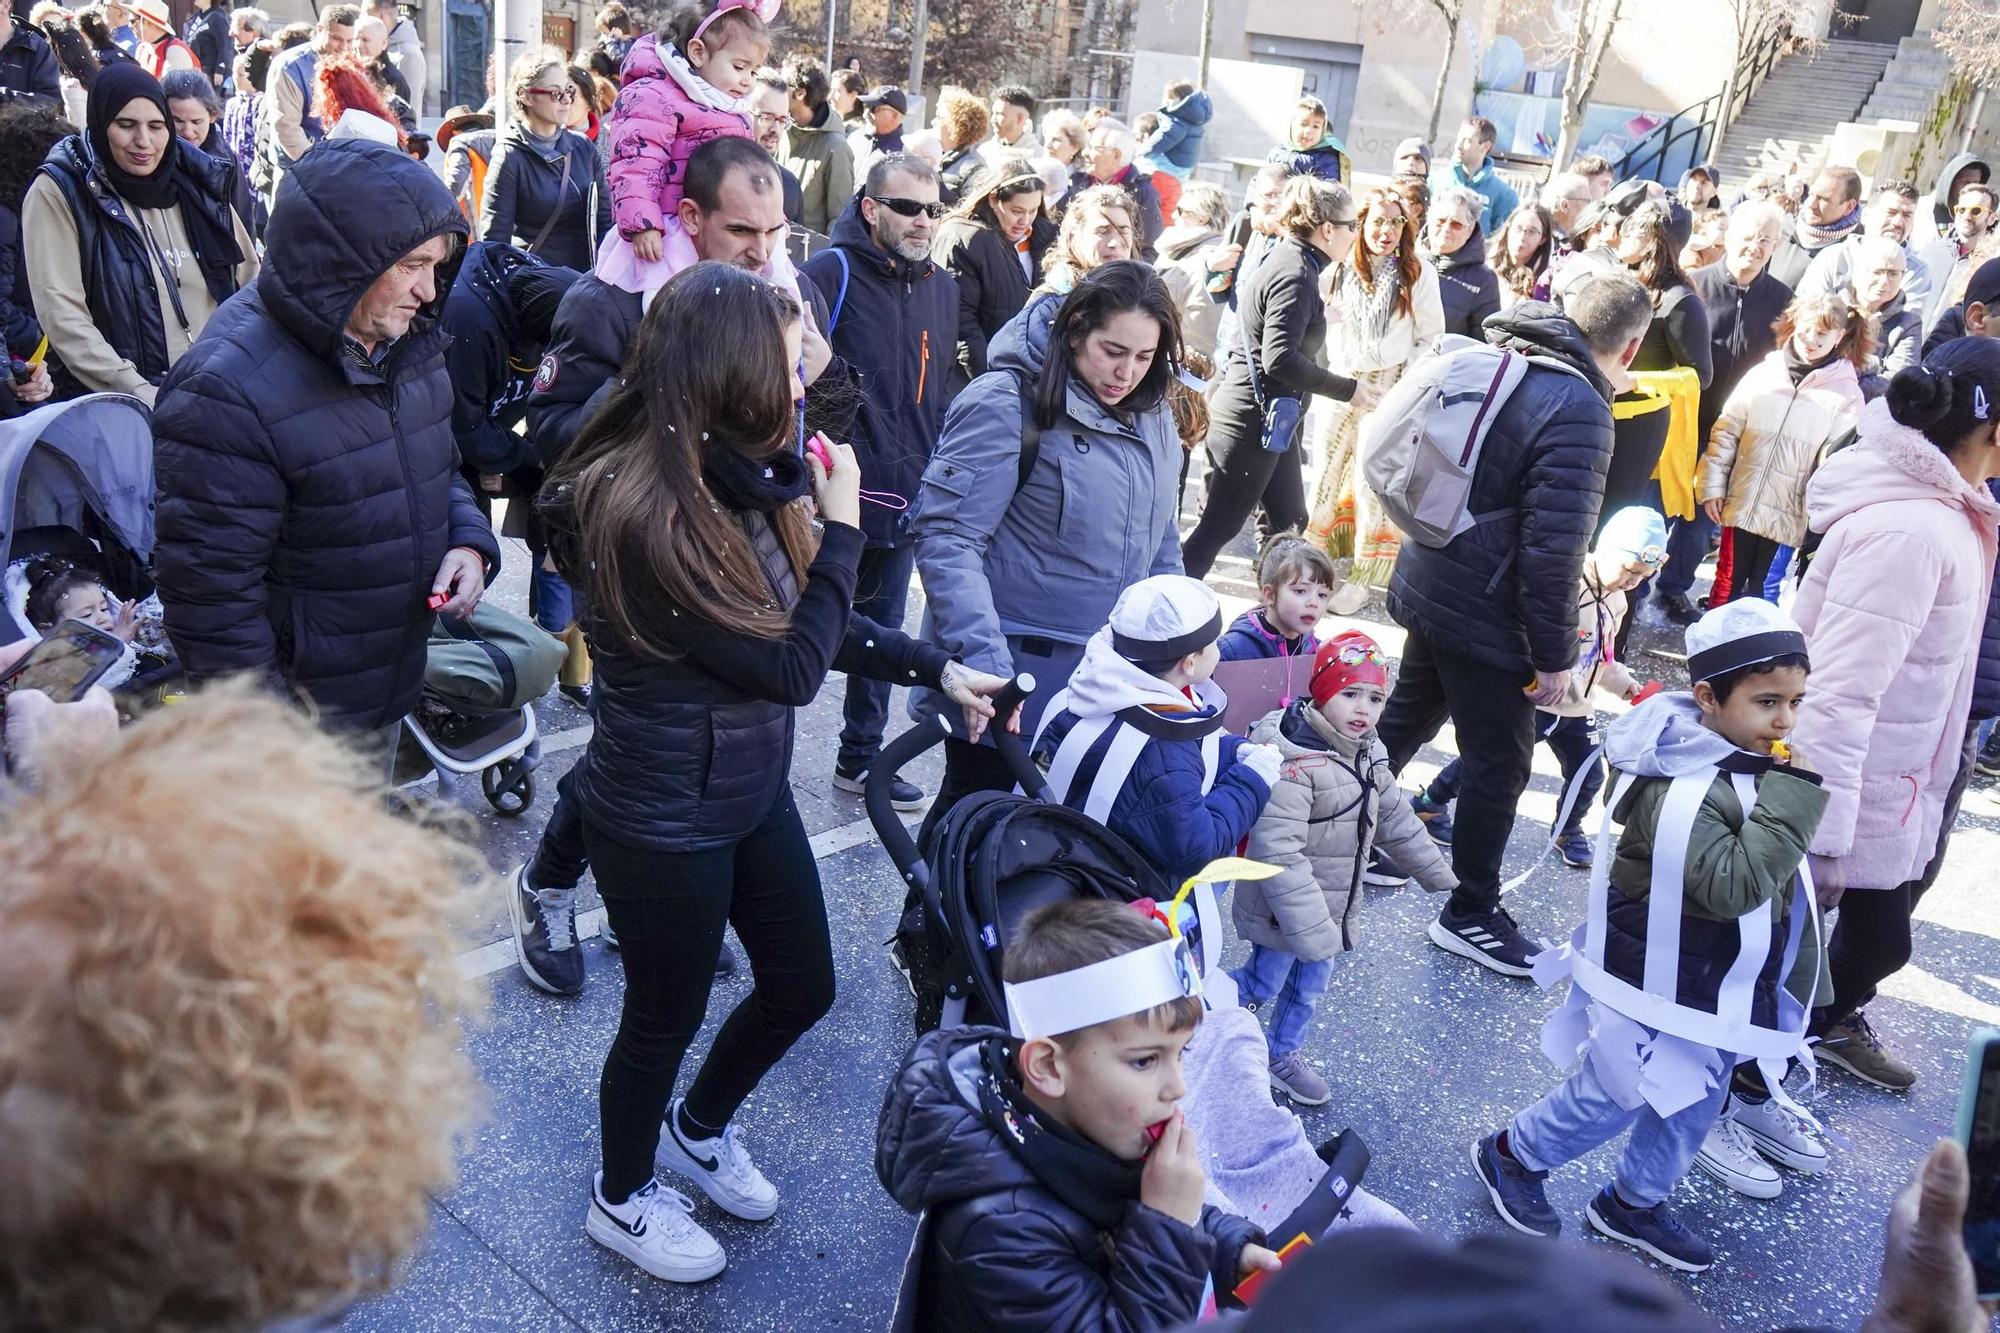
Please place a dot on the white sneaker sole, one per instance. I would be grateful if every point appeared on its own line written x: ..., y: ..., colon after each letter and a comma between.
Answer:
x: 1479, y: 1170
x: 1755, y: 1187
x: 672, y: 1157
x: 1784, y: 1154
x: 521, y: 927
x: 859, y: 787
x: 1300, y: 1097
x: 1833, y: 1057
x: 632, y: 1248
x: 1451, y: 943
x: 1603, y: 1228
x: 1376, y: 879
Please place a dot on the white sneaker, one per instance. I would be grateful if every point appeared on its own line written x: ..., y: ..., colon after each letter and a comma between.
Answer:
x: 721, y: 1166
x: 1728, y: 1155
x: 1347, y: 599
x: 1780, y: 1137
x: 656, y: 1230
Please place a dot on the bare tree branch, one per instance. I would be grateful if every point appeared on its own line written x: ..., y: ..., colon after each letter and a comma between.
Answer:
x: 1968, y: 32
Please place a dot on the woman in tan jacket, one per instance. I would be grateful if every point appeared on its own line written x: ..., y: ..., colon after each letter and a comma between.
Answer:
x: 1774, y: 430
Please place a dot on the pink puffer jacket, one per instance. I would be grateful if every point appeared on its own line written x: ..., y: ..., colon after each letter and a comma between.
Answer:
x: 1892, y: 607
x: 659, y: 120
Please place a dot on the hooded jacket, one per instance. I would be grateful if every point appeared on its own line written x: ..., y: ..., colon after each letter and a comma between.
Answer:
x: 1469, y: 288
x: 1002, y: 1248
x: 1046, y: 559
x: 28, y: 68
x: 492, y: 368
x: 1735, y: 863
x: 1164, y: 809
x: 819, y: 156
x: 1769, y: 439
x: 1336, y: 799
x: 992, y: 285
x: 1504, y: 593
x: 525, y: 189
x: 1941, y: 190
x: 306, y: 493
x: 895, y: 325
x: 1183, y: 267
x: 1183, y: 126
x: 1326, y: 159
x: 1893, y: 607
x: 656, y: 125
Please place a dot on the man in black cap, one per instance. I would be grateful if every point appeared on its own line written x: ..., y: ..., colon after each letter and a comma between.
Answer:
x: 885, y: 109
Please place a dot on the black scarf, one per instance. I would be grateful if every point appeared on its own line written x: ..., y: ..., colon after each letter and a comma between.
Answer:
x: 1799, y: 369
x: 1081, y: 1174
x: 216, y: 253
x: 746, y: 484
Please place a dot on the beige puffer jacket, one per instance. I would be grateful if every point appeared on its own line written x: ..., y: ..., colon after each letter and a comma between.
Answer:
x: 1322, y: 819
x: 1769, y: 440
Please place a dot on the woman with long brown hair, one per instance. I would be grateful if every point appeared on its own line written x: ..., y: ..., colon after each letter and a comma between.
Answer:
x: 715, y: 611
x: 1383, y: 307
x: 1648, y: 240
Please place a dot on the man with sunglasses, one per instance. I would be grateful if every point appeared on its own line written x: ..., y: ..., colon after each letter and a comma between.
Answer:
x: 895, y: 328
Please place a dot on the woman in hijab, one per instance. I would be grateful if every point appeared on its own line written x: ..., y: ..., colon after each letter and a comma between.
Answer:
x: 131, y: 240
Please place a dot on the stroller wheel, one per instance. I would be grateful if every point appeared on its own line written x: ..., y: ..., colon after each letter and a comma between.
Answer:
x: 509, y: 788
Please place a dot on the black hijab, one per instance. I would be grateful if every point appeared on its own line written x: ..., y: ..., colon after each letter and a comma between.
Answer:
x: 208, y: 229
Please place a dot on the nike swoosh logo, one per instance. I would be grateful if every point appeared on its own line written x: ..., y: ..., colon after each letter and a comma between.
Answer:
x: 635, y: 1231
x: 705, y: 1163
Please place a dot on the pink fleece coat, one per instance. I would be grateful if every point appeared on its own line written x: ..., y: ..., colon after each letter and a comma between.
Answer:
x: 656, y: 124
x: 1892, y: 608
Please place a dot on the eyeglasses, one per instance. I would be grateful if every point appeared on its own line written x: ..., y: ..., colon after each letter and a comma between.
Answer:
x: 1346, y: 224
x: 564, y: 95
x: 1970, y: 211
x: 908, y: 208
x: 774, y: 120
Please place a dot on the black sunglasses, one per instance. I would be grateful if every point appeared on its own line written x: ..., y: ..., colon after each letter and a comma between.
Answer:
x: 909, y: 208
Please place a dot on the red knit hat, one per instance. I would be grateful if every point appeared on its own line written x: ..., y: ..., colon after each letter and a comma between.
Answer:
x: 1348, y: 658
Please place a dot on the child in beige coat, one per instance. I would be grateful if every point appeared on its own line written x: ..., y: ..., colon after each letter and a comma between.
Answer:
x: 1335, y: 799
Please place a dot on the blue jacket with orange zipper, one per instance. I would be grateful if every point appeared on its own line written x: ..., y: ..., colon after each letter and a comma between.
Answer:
x: 894, y: 323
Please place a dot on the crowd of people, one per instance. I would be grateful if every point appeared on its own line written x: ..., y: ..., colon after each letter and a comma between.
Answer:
x: 746, y: 356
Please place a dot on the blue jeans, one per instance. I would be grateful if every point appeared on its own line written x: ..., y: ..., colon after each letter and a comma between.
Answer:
x: 555, y: 603
x: 1580, y: 1115
x: 1296, y: 983
x: 1687, y: 547
x: 881, y: 594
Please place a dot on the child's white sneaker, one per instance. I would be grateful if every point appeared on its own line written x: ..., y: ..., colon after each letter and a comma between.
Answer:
x: 1728, y: 1155
x: 1780, y: 1136
x: 656, y: 1230
x: 721, y: 1166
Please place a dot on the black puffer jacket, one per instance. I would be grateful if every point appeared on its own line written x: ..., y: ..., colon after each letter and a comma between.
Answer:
x: 895, y: 325
x: 992, y: 287
x: 1469, y: 288
x: 1002, y: 1250
x: 1504, y: 594
x: 306, y: 495
x: 493, y: 365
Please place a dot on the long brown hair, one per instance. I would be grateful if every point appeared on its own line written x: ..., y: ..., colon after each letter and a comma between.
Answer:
x: 707, y: 372
x: 1659, y: 271
x: 1409, y: 267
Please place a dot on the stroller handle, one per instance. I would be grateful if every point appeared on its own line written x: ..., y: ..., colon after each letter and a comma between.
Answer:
x: 914, y: 743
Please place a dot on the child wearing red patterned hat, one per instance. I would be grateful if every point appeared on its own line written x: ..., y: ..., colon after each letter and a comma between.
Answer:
x: 1334, y: 801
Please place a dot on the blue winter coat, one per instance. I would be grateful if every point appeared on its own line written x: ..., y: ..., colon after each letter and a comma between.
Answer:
x: 1501, y: 201
x: 1250, y: 638
x: 1326, y: 159
x: 895, y: 325
x: 306, y: 495
x: 1183, y: 125
x: 28, y: 69
x: 492, y: 368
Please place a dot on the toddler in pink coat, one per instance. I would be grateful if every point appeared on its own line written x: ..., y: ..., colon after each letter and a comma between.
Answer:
x: 683, y: 86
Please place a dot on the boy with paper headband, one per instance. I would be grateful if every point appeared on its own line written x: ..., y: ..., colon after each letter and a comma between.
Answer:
x: 1700, y: 948
x: 1058, y: 1184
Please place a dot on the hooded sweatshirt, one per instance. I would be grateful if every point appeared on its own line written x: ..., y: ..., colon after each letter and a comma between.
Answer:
x: 1025, y: 1226
x: 1893, y: 607
x: 1170, y: 807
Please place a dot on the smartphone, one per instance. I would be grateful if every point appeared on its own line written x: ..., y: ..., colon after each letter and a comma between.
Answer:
x: 66, y: 663
x: 1979, y: 1131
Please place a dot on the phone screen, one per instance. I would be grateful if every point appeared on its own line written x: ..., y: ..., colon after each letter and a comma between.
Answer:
x: 1982, y: 1151
x: 66, y: 663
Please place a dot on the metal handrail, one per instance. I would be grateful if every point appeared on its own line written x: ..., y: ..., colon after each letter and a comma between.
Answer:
x: 1707, y: 120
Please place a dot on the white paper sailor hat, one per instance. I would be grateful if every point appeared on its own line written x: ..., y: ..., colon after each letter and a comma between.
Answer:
x: 1165, y: 617
x: 1739, y: 634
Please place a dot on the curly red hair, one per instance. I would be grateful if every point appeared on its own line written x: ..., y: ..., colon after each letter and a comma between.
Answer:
x: 345, y: 85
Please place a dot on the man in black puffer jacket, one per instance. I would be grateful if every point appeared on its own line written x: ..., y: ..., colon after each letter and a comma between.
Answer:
x: 309, y: 498
x: 1492, y: 615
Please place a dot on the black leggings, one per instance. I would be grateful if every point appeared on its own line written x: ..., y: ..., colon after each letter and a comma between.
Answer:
x: 669, y: 909
x: 1242, y: 472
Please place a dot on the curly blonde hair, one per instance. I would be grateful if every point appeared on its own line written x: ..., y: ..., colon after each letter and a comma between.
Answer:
x: 961, y: 118
x: 229, y: 1027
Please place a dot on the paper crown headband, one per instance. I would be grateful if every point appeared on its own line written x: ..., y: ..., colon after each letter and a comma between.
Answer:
x: 1131, y: 983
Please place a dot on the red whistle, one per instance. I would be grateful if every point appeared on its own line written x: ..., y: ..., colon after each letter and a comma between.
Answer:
x: 437, y: 599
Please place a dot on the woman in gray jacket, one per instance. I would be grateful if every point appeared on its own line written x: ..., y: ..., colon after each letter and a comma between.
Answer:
x: 1051, y: 490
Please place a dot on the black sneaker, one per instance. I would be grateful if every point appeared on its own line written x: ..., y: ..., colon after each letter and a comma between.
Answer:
x: 545, y: 935
x: 1676, y: 607
x: 576, y: 694
x: 906, y: 797
x: 1655, y: 1231
x: 725, y: 962
x: 1988, y: 760
x: 1515, y: 1190
x: 1488, y: 938
x: 1382, y: 873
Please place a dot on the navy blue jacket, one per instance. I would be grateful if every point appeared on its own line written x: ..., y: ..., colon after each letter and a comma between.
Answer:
x: 896, y: 328
x: 1468, y: 287
x: 1001, y: 1249
x: 1161, y: 810
x: 28, y: 69
x: 1504, y: 594
x: 307, y: 495
x: 524, y: 186
x: 18, y: 330
x: 1183, y: 126
x: 492, y: 368
x: 1250, y: 637
x: 207, y: 35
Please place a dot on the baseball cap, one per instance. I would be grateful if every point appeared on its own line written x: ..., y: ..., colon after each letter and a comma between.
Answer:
x: 890, y: 96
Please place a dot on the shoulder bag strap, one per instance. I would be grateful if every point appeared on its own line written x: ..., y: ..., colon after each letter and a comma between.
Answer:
x: 549, y: 223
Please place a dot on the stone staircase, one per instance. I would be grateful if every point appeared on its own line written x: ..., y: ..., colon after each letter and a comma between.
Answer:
x: 1792, y: 115
x: 1910, y: 85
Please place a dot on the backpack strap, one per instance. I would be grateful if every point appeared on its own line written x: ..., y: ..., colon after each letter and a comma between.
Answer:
x: 1031, y: 431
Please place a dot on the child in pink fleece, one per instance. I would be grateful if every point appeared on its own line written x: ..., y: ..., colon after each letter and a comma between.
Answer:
x: 683, y: 86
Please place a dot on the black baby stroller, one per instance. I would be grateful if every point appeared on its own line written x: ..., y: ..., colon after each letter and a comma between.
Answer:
x: 995, y: 858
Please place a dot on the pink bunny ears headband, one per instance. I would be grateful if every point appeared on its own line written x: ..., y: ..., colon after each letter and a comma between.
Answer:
x: 763, y: 9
